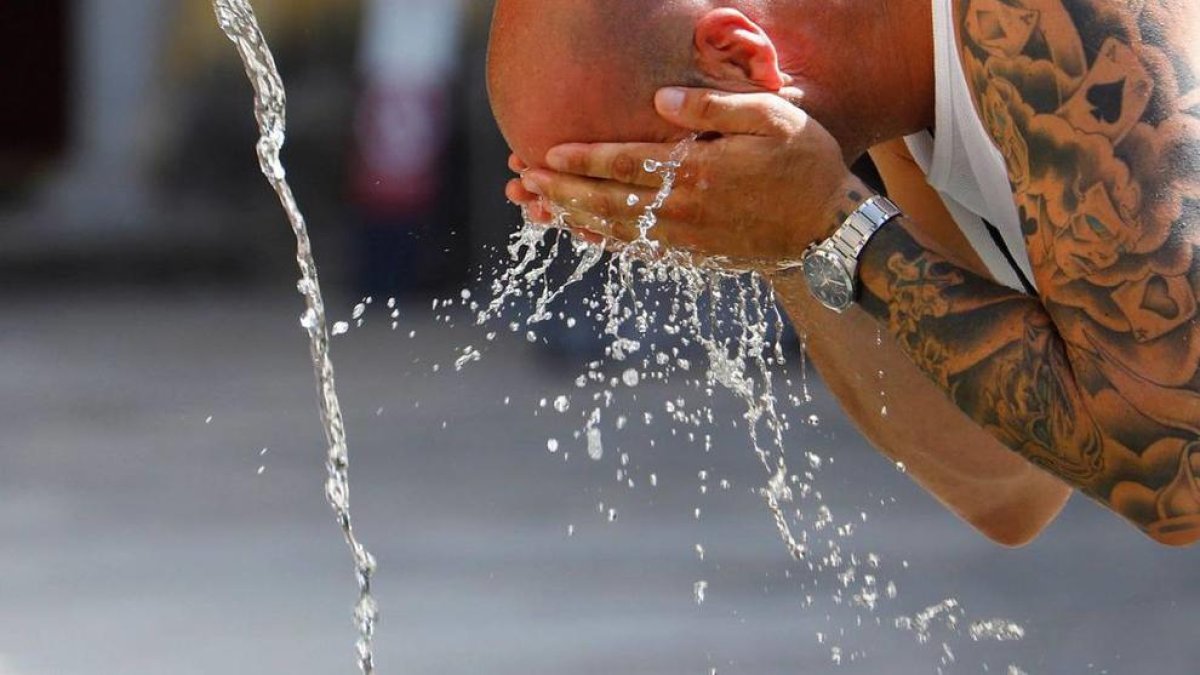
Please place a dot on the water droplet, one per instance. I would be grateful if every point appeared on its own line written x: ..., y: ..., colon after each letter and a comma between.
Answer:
x: 359, y: 310
x: 700, y: 591
x: 341, y: 328
x: 999, y: 630
x: 901, y: 467
x: 552, y: 445
x: 631, y: 377
x: 562, y: 404
x: 633, y: 200
x: 366, y: 612
x: 595, y: 444
x: 469, y: 355
x: 651, y: 166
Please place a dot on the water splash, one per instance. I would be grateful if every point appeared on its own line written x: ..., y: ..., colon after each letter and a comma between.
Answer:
x: 733, y: 319
x: 740, y: 353
x: 240, y: 25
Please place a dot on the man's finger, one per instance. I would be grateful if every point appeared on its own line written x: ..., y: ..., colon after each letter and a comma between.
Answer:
x: 608, y: 200
x: 708, y: 110
x: 630, y: 163
x: 668, y: 232
x: 533, y: 205
x: 581, y: 221
x: 516, y: 164
x: 517, y: 193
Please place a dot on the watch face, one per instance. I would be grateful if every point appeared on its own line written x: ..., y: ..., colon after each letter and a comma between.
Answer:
x: 828, y: 280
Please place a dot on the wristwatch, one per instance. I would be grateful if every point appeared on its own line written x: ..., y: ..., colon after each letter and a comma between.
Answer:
x: 831, y: 267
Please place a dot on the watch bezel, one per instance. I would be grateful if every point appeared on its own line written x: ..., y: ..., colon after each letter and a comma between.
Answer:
x: 818, y: 291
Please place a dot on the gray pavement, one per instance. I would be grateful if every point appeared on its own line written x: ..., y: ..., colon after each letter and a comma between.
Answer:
x: 139, y: 536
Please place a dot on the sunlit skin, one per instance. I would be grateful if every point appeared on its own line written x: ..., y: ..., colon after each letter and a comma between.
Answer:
x: 984, y: 384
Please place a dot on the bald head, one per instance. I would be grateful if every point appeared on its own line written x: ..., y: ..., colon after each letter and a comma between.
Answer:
x: 562, y: 71
x: 586, y: 70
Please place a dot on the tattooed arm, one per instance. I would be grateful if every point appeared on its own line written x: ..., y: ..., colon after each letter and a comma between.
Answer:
x: 1094, y: 105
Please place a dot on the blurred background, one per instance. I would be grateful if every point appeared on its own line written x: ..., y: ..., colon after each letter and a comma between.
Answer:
x: 161, y: 507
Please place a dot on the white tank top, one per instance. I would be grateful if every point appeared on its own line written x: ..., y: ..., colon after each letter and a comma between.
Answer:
x: 962, y: 163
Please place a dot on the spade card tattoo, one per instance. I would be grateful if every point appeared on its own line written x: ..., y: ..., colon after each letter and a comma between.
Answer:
x: 1113, y: 96
x: 999, y: 29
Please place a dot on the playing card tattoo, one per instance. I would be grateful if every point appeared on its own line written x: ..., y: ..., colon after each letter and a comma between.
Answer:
x: 998, y: 28
x: 1114, y: 95
x: 1156, y: 305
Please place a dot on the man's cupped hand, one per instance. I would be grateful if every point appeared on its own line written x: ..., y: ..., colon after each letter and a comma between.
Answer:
x: 764, y: 181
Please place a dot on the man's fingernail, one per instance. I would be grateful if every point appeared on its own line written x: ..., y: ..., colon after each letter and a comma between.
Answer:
x: 532, y: 185
x: 671, y: 99
x: 556, y: 159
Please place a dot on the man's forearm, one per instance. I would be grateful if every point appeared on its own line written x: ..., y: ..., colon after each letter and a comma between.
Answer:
x: 999, y: 357
x: 949, y: 455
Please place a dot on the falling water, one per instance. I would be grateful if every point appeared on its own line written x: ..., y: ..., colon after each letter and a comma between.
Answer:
x: 240, y: 25
x: 734, y: 320
x: 741, y: 357
x: 740, y: 363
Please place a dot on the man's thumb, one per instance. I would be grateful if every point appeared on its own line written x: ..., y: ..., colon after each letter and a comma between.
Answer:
x: 709, y: 110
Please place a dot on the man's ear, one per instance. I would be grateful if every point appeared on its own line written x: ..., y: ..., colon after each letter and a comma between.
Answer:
x: 733, y: 50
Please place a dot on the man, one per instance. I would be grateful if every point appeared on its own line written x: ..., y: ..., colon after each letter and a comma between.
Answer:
x: 1042, y: 300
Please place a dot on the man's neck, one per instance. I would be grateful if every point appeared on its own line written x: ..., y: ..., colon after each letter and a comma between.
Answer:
x: 912, y: 22
x: 897, y: 68
x: 883, y: 66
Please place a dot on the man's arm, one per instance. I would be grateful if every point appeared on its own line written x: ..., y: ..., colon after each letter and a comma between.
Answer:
x: 970, y: 472
x: 949, y: 455
x: 1098, y: 381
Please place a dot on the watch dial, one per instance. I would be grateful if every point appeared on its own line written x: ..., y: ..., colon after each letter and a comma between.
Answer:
x: 828, y: 280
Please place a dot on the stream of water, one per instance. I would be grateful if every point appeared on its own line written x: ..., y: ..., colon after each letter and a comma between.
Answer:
x: 238, y: 21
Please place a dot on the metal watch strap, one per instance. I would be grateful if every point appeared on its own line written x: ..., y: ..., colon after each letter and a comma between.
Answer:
x: 852, y: 237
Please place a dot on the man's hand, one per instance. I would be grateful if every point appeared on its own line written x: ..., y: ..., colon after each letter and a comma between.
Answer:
x: 764, y: 182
